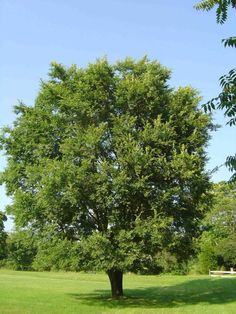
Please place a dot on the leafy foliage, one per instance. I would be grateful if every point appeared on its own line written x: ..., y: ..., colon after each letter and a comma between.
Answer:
x: 3, y: 236
x: 230, y: 42
x: 207, y: 257
x: 222, y: 8
x: 217, y: 244
x: 134, y: 250
x: 226, y: 100
x: 227, y: 249
x: 21, y: 250
x: 55, y: 254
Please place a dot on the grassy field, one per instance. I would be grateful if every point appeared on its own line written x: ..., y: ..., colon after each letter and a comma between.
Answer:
x: 49, y: 293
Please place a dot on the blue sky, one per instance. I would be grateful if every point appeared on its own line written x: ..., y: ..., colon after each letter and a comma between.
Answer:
x: 34, y: 33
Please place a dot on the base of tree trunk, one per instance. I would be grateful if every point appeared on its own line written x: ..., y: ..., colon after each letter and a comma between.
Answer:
x: 116, y: 281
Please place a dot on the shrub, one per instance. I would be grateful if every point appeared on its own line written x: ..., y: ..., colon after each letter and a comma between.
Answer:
x: 21, y: 250
x: 56, y: 254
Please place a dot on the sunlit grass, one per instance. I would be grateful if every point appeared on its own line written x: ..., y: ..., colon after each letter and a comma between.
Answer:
x: 34, y: 293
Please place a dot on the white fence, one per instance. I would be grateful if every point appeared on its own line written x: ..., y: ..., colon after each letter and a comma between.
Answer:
x: 222, y: 273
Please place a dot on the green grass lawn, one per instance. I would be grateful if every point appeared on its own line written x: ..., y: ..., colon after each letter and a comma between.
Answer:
x: 32, y: 292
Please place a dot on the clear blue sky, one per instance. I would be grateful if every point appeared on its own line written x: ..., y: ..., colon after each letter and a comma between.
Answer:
x: 34, y: 33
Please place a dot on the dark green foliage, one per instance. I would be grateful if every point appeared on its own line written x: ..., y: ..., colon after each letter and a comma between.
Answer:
x: 114, y: 159
x: 222, y: 7
x: 21, y: 250
x: 165, y: 262
x: 3, y: 236
x: 226, y: 100
x: 45, y: 251
x: 56, y: 254
x: 230, y: 42
x: 132, y: 250
x: 227, y: 250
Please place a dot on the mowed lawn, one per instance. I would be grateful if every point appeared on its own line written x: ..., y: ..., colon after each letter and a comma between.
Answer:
x: 32, y: 292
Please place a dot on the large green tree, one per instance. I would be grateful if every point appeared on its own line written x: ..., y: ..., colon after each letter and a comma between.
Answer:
x: 114, y: 158
x: 226, y: 100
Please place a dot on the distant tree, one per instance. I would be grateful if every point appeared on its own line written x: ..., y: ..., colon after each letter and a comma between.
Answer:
x: 217, y: 246
x: 226, y: 100
x: 115, y: 159
x: 207, y: 257
x: 3, y: 236
x: 221, y: 220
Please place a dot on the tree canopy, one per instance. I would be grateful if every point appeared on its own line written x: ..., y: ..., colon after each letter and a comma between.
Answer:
x: 113, y: 158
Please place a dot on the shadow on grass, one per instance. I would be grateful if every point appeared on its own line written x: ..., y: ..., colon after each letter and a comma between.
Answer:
x: 194, y: 291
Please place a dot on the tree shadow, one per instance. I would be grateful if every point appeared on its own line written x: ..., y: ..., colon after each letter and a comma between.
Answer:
x: 194, y: 291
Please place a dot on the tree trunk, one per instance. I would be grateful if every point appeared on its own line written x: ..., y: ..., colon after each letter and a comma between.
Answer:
x: 116, y: 281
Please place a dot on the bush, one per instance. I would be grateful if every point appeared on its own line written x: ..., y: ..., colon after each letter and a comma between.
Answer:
x: 207, y: 258
x: 56, y: 254
x: 21, y: 250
